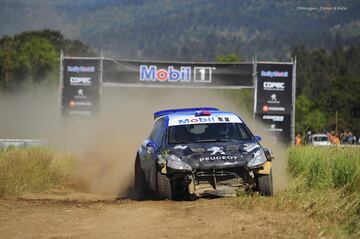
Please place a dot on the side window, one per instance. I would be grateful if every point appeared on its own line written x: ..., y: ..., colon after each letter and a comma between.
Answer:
x: 159, y: 132
x: 153, y: 132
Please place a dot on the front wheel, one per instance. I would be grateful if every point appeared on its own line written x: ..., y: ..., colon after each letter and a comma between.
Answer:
x: 163, y: 187
x: 141, y: 188
x: 265, y: 184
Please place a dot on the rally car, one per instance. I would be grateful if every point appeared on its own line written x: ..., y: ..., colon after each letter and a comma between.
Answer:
x: 201, y: 151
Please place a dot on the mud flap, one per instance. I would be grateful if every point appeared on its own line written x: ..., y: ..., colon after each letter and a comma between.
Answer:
x: 266, y: 169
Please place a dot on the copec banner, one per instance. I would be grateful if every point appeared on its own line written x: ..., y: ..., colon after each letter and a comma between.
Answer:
x: 273, y: 84
x: 274, y: 104
x: 80, y: 87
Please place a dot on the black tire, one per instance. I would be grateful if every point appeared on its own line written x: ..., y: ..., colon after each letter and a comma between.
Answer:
x: 141, y: 188
x: 163, y: 189
x: 265, y: 184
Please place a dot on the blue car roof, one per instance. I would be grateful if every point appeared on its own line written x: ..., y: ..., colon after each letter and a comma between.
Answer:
x: 183, y: 111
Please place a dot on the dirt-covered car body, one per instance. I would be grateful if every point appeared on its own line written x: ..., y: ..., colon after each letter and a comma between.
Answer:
x: 200, y: 151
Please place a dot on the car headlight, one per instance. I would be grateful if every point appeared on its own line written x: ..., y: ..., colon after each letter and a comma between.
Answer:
x: 258, y: 159
x: 177, y: 164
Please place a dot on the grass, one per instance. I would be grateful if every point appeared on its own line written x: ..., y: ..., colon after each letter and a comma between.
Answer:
x: 325, y: 186
x: 326, y: 167
x: 325, y: 183
x: 29, y: 170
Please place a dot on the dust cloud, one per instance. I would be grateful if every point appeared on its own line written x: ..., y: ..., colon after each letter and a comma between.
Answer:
x: 106, y: 145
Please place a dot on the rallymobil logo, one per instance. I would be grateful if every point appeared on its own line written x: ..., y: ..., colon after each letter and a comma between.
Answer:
x: 78, y: 69
x: 80, y: 81
x: 280, y: 86
x: 271, y: 74
x: 182, y: 74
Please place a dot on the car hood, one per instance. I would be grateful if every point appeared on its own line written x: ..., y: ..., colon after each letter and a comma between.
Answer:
x: 215, y: 155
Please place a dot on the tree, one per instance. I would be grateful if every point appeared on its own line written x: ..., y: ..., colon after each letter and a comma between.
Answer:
x: 232, y: 57
x: 39, y: 58
x: 33, y: 56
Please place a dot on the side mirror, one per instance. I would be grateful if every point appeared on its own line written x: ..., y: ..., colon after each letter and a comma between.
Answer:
x: 258, y: 138
x: 150, y: 144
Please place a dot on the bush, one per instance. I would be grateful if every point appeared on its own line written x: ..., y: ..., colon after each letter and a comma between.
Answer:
x: 30, y: 170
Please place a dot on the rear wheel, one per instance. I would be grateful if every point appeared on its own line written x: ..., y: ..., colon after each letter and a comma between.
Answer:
x: 141, y: 188
x: 163, y: 186
x: 265, y: 184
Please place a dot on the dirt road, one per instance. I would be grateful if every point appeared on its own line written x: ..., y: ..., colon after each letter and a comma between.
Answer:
x: 94, y: 217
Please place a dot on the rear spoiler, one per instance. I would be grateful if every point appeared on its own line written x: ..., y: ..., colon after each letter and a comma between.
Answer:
x: 172, y: 111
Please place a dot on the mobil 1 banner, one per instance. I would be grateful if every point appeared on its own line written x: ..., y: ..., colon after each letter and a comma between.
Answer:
x: 278, y: 124
x: 274, y: 88
x: 81, y: 86
x: 178, y: 74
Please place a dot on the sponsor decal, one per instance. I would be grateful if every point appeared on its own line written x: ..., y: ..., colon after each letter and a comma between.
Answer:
x: 271, y: 74
x: 78, y: 69
x: 80, y: 81
x: 214, y: 118
x: 277, y: 118
x: 80, y: 94
x: 279, y: 86
x: 274, y: 129
x: 203, y: 120
x: 203, y: 74
x: 199, y: 120
x: 267, y: 108
x: 216, y: 150
x: 271, y: 108
x: 273, y: 99
x: 74, y: 103
x: 80, y: 112
x: 220, y: 157
x: 182, y: 74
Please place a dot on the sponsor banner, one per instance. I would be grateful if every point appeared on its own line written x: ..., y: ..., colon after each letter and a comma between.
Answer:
x: 186, y: 119
x: 278, y: 124
x: 178, y: 74
x: 81, y: 87
x: 274, y: 88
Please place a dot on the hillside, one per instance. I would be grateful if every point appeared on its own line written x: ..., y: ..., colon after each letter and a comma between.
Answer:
x: 189, y: 29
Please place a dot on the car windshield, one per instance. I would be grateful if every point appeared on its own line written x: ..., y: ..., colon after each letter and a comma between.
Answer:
x: 201, y: 133
x: 320, y: 138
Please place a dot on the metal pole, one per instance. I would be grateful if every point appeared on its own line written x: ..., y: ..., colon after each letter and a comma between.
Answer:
x: 336, y: 122
x: 101, y: 72
x: 293, y: 101
x: 254, y: 62
x: 61, y: 80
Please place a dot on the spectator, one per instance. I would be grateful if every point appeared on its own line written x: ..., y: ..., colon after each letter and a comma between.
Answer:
x: 351, y: 139
x: 344, y: 137
x: 334, y: 139
x: 337, y: 139
x: 298, y: 139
